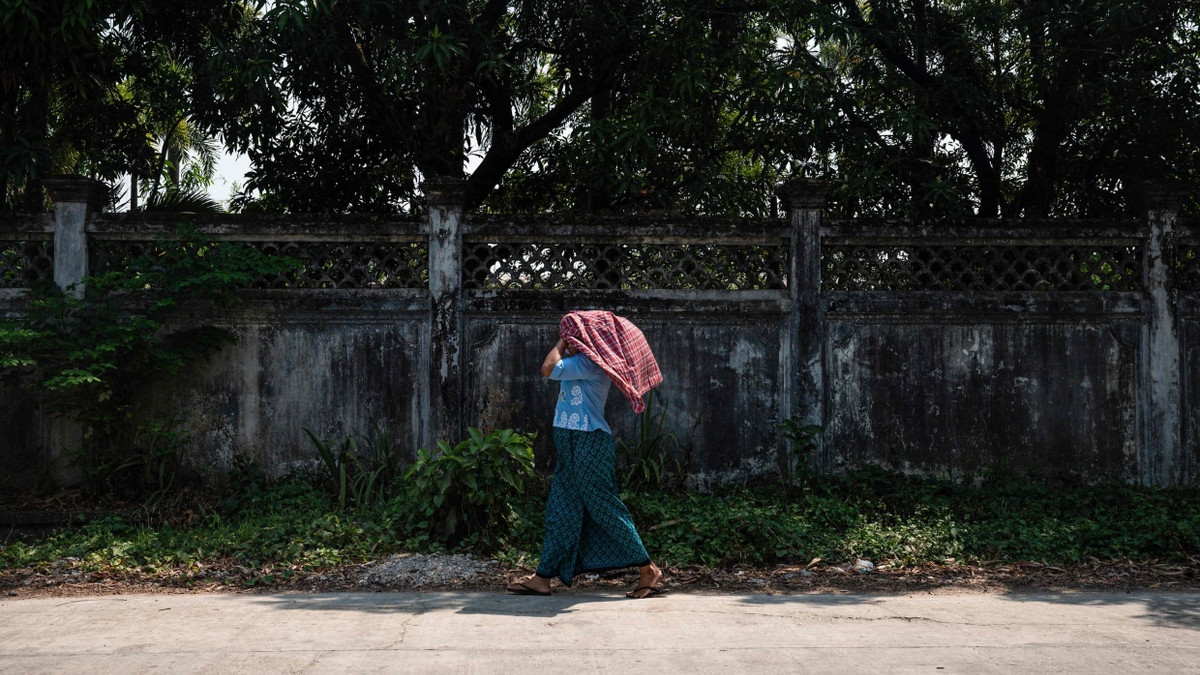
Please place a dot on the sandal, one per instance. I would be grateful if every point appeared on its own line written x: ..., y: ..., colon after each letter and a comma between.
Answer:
x: 653, y: 591
x: 522, y: 589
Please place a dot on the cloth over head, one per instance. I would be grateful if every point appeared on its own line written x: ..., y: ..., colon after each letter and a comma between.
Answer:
x: 618, y: 347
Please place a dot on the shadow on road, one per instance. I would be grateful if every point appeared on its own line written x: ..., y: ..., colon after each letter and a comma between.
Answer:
x: 503, y: 604
x: 823, y: 599
x: 462, y: 603
x: 1164, y: 610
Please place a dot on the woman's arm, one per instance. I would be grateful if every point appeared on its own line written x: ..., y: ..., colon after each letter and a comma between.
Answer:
x: 556, y: 354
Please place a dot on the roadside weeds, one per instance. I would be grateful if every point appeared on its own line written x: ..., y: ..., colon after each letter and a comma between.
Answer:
x: 65, y: 579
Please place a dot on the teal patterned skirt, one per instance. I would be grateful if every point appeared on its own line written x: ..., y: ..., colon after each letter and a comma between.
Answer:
x: 588, y: 529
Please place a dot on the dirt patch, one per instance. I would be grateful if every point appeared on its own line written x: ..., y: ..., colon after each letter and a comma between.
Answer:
x: 459, y: 572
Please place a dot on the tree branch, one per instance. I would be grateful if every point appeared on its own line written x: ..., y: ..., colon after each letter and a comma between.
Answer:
x: 968, y: 129
x: 502, y: 155
x: 379, y: 106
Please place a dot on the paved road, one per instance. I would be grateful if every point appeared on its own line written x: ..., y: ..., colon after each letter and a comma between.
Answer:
x: 581, y: 633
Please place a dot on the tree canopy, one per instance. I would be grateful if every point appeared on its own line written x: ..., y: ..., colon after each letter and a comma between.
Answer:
x: 910, y: 107
x: 107, y: 88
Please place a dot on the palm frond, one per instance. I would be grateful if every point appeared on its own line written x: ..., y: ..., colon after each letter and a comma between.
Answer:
x: 183, y: 201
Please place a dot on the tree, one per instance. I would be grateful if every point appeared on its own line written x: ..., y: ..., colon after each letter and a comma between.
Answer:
x: 54, y: 75
x: 347, y: 105
x: 912, y: 107
x: 693, y: 122
x: 1048, y: 103
x: 95, y: 87
x: 177, y: 156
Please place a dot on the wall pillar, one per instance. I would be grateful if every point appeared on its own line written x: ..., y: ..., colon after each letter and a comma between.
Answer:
x: 1160, y: 461
x: 803, y: 392
x: 76, y: 198
x: 444, y: 197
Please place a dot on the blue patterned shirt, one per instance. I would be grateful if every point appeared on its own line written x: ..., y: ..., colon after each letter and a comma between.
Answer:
x: 581, y: 394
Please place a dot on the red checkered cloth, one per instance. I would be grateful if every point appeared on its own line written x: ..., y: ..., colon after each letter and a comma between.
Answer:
x: 618, y: 347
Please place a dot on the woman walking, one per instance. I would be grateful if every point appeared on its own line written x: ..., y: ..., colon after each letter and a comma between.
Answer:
x: 588, y: 529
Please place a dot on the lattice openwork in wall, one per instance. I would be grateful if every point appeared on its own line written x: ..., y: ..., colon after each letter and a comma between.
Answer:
x: 602, y: 265
x: 1187, y: 266
x: 981, y: 267
x: 327, y: 264
x: 351, y: 265
x: 23, y: 263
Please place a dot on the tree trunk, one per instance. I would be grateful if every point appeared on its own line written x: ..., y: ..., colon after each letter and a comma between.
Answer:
x: 8, y: 123
x: 1041, y: 170
x: 37, y: 125
x: 162, y: 161
x: 986, y: 172
x: 503, y: 153
x: 920, y: 149
x: 443, y: 123
x: 174, y: 164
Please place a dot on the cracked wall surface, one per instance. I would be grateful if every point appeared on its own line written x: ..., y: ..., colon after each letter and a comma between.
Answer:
x: 951, y: 348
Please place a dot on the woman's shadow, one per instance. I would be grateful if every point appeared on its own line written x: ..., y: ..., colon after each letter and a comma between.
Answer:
x: 466, y: 602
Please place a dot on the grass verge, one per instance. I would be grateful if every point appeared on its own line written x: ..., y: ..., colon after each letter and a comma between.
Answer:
x: 275, y: 529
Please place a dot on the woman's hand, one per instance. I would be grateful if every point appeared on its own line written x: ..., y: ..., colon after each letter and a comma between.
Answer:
x: 556, y: 354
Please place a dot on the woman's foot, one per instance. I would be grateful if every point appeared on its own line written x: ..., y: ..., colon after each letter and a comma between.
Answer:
x: 647, y: 582
x: 530, y: 585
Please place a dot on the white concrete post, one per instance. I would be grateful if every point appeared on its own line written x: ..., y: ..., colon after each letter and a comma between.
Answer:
x: 804, y: 372
x: 444, y: 196
x: 1161, y: 460
x: 75, y: 199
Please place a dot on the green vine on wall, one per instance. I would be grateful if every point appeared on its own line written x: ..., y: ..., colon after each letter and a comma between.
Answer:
x: 92, y: 358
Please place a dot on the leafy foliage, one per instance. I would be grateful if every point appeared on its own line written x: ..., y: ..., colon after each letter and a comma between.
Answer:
x: 316, y: 83
x: 359, y: 479
x: 795, y: 459
x: 906, y: 521
x: 465, y: 493
x: 1029, y: 109
x: 646, y: 459
x: 912, y: 108
x: 183, y: 201
x: 258, y: 524
x: 271, y: 528
x: 95, y: 357
x: 109, y: 88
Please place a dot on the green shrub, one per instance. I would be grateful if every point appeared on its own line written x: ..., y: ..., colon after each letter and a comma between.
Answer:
x: 795, y: 459
x: 94, y: 358
x: 465, y: 493
x: 645, y: 460
x: 886, y: 518
x: 362, y: 480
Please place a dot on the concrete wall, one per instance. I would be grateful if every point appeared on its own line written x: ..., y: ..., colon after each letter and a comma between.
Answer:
x: 946, y: 348
x: 720, y: 392
x: 346, y: 366
x: 924, y: 391
x: 721, y: 337
x: 1187, y: 293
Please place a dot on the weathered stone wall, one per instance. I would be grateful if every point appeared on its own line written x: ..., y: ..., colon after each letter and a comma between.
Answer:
x: 341, y: 365
x: 961, y: 347
x: 926, y: 391
x: 947, y: 348
x: 709, y: 294
x: 720, y: 392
